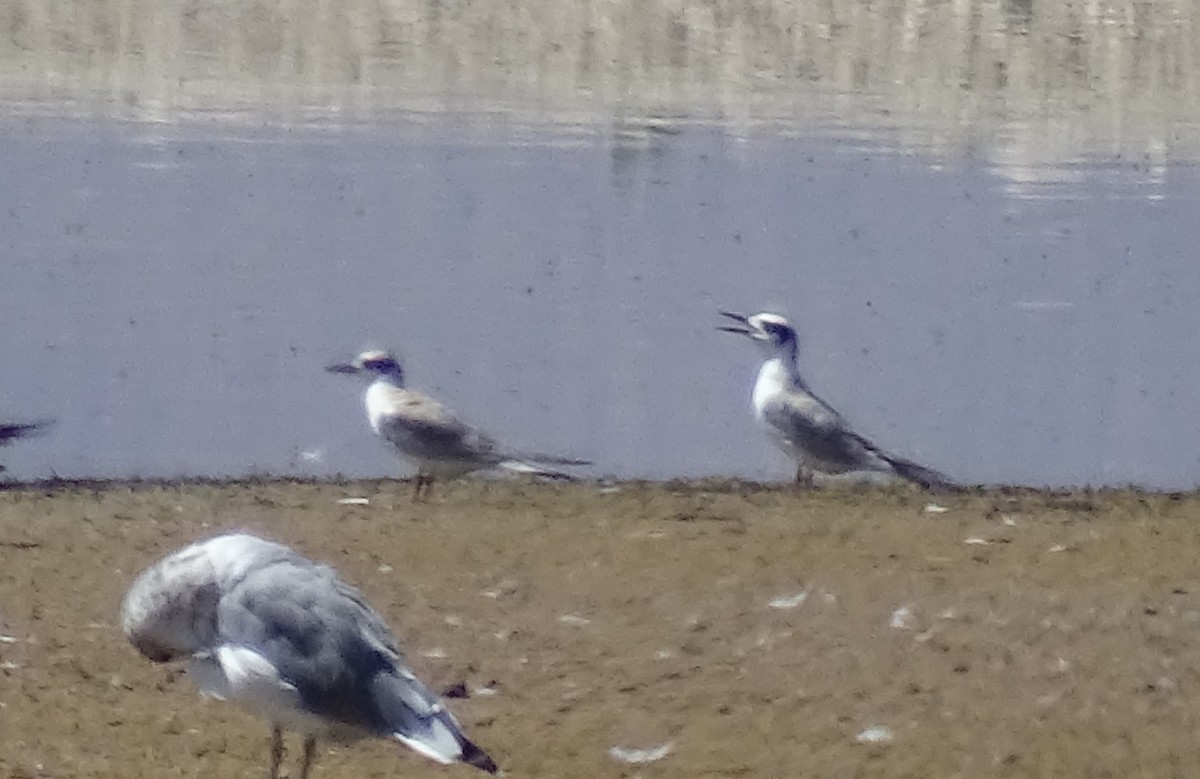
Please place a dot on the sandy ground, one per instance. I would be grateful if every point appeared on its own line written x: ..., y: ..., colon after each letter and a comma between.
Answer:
x: 757, y: 631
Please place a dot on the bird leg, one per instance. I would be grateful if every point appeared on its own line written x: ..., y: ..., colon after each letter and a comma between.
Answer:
x: 804, y: 478
x: 310, y: 752
x: 422, y: 480
x: 276, y: 752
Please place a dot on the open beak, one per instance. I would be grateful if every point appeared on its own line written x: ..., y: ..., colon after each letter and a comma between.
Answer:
x: 342, y: 367
x: 740, y: 319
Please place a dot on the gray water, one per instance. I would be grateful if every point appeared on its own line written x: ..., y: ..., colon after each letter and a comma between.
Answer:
x: 983, y: 220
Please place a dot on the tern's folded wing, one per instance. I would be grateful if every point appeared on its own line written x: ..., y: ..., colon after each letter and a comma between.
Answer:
x: 817, y: 430
x: 422, y: 427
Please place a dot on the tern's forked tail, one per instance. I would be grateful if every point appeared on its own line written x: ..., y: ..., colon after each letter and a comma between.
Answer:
x: 534, y: 469
x: 547, y: 459
x: 534, y: 463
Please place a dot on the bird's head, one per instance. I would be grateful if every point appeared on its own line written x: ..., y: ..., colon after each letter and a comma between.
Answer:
x: 373, y: 363
x: 770, y: 331
x: 170, y: 612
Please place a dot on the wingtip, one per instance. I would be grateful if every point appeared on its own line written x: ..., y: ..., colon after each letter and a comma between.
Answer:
x: 467, y: 751
x: 10, y: 431
x: 473, y: 755
x: 541, y: 472
x: 926, y: 478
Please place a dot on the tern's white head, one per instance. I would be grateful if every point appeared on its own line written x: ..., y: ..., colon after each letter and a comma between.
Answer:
x: 373, y: 363
x: 772, y: 332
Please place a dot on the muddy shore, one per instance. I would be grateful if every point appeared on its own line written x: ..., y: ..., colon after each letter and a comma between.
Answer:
x: 754, y: 630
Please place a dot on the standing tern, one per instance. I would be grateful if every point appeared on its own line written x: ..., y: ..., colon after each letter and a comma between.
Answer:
x: 429, y: 435
x: 807, y: 428
x: 264, y: 627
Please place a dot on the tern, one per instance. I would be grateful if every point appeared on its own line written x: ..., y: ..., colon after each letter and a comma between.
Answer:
x: 286, y: 638
x: 803, y: 425
x: 428, y: 434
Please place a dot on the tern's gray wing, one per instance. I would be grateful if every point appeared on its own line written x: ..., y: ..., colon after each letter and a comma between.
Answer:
x: 814, y: 428
x: 424, y: 428
x: 323, y: 638
x: 818, y: 432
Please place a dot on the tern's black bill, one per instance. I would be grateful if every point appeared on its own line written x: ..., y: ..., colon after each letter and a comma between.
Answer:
x: 737, y: 318
x: 342, y: 367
